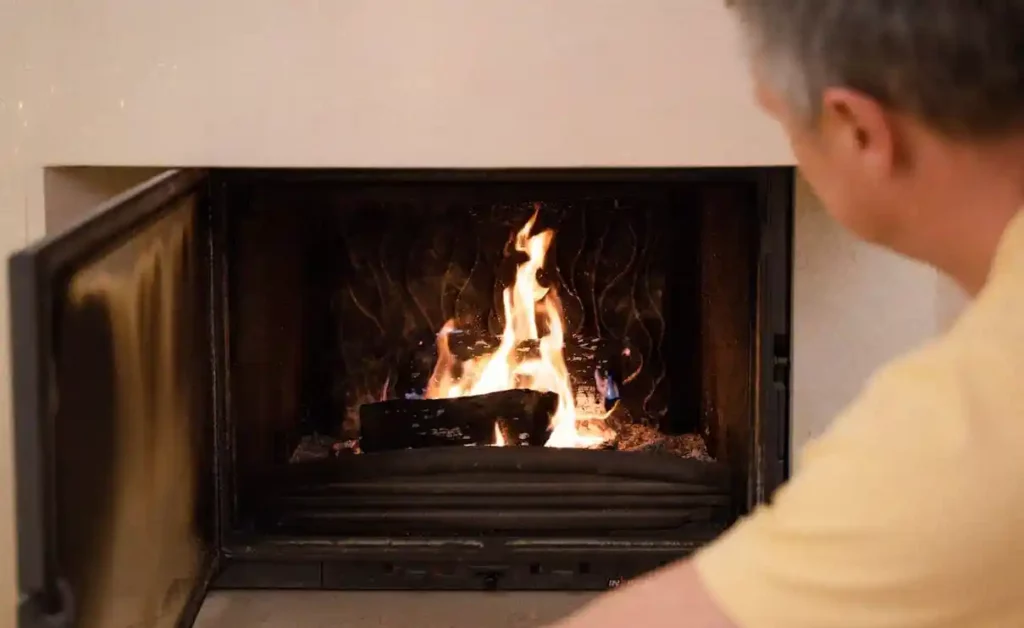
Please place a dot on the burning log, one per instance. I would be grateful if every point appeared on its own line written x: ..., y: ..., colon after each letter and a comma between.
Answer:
x: 518, y: 417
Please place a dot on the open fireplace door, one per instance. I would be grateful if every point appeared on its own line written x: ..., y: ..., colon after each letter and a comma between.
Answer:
x: 113, y: 412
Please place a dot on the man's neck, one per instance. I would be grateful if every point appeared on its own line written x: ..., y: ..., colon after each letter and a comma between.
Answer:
x: 973, y: 246
x: 982, y: 192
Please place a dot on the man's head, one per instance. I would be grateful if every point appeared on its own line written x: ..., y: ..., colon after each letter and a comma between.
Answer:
x: 885, y: 100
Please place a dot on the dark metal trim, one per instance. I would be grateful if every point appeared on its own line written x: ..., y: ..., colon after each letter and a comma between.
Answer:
x: 223, y: 487
x: 248, y: 547
x: 467, y: 563
x: 499, y: 175
x: 771, y: 455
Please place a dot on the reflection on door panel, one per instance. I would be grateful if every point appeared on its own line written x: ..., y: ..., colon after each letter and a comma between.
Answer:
x: 128, y: 433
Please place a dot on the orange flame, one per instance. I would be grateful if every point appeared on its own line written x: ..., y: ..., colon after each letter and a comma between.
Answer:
x: 528, y: 308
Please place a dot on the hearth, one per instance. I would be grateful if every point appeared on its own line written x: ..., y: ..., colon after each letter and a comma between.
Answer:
x: 374, y: 379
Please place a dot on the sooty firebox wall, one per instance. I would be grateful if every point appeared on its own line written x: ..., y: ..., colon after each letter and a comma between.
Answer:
x: 351, y: 301
x: 407, y: 274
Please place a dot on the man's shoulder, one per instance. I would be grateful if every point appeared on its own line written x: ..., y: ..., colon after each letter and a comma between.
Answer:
x: 908, y: 509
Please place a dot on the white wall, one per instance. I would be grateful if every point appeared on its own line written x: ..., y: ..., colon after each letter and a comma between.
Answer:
x: 425, y: 83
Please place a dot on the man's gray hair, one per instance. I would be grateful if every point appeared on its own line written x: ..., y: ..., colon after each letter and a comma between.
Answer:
x: 958, y: 65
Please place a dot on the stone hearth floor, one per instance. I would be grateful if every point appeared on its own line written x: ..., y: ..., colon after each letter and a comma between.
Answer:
x: 351, y: 609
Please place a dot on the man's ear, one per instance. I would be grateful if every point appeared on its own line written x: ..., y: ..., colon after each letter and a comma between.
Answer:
x: 861, y: 129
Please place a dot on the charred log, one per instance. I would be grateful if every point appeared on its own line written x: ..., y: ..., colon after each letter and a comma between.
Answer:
x: 522, y: 416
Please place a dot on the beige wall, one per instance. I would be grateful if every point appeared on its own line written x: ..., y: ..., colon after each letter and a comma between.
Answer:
x: 423, y: 83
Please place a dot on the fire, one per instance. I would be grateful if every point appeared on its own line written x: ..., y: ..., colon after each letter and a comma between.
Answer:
x: 529, y: 309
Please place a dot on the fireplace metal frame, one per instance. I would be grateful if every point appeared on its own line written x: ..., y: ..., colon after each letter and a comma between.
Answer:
x: 399, y: 562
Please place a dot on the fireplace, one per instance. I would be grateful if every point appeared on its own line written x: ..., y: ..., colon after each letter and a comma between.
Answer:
x: 383, y: 379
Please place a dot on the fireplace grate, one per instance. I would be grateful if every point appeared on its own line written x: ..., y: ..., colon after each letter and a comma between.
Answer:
x: 525, y: 490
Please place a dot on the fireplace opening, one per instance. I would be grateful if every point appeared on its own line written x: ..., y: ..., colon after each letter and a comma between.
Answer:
x: 517, y: 379
x: 555, y: 355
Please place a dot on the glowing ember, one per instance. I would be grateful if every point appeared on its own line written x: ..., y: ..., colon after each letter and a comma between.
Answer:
x: 529, y: 310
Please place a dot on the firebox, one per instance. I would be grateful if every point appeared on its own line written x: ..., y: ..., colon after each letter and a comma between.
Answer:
x: 395, y: 379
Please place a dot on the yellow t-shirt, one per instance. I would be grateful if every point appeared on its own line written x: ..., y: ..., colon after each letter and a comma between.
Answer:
x: 909, y: 511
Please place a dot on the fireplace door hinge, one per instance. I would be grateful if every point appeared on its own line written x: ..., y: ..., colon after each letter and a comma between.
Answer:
x: 780, y: 382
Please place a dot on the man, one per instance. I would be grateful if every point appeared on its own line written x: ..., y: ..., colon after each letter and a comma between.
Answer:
x: 907, y: 118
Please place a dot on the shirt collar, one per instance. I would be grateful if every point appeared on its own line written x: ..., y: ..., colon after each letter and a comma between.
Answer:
x: 1010, y: 252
